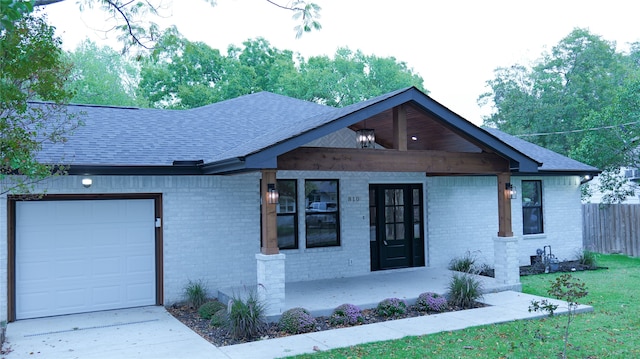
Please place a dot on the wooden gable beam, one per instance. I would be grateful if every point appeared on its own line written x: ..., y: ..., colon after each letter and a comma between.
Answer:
x: 400, y: 128
x: 431, y: 162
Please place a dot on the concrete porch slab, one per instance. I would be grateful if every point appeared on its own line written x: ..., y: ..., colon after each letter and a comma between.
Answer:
x: 321, y: 297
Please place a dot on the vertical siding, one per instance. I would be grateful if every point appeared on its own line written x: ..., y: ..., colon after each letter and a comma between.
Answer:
x: 612, y: 228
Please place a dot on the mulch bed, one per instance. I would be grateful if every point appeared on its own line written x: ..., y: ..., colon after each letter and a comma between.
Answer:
x: 566, y: 266
x: 220, y: 337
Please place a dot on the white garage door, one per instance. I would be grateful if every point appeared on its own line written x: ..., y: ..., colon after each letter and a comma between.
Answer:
x: 84, y: 255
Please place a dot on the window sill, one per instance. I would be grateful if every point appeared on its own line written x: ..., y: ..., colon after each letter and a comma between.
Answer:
x: 534, y: 236
x: 323, y: 249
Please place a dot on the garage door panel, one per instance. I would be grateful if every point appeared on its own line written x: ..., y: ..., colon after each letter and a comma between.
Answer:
x: 136, y: 292
x: 95, y: 255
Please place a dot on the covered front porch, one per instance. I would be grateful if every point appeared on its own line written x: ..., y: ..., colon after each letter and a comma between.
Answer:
x: 321, y: 297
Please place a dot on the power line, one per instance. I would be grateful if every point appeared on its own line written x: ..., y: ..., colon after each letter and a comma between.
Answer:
x: 577, y: 131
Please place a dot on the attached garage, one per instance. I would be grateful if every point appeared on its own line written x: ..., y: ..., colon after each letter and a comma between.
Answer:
x: 83, y: 255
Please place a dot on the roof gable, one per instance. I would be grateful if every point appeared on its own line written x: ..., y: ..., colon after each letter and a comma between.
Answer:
x: 251, y: 131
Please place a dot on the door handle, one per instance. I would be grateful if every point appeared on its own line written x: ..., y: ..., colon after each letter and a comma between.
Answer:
x: 385, y: 242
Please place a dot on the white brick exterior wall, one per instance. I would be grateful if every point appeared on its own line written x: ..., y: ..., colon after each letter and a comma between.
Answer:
x: 463, y: 217
x: 211, y: 224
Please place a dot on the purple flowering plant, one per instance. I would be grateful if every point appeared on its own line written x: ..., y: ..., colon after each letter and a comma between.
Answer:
x: 431, y: 302
x: 297, y: 321
x: 346, y: 314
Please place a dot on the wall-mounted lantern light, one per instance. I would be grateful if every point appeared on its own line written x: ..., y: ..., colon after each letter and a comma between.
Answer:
x: 586, y: 178
x: 272, y: 193
x: 87, y: 182
x: 365, y: 138
x: 511, y: 189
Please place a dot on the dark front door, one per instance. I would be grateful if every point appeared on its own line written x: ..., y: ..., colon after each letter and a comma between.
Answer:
x: 396, y: 224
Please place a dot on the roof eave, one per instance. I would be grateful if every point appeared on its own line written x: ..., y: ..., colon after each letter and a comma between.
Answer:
x: 132, y: 170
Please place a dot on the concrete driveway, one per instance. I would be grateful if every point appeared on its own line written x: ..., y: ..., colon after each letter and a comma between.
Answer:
x: 147, y: 332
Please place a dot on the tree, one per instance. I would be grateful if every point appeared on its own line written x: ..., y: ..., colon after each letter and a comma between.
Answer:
x: 101, y: 76
x: 182, y: 74
x: 131, y: 20
x: 33, y: 69
x: 577, y: 100
x: 350, y: 77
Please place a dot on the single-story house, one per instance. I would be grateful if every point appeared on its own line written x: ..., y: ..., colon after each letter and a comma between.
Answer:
x: 263, y: 190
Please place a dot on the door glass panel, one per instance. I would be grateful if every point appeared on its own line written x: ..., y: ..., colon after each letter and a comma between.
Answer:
x: 399, y: 214
x: 372, y: 223
x: 390, y: 232
x: 399, y: 231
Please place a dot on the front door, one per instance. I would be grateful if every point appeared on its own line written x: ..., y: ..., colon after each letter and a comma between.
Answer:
x: 396, y: 224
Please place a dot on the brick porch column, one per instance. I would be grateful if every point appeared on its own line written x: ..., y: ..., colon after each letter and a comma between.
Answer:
x: 506, y: 265
x: 271, y: 282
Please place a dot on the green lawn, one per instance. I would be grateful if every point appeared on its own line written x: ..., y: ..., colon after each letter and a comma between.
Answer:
x: 612, y: 330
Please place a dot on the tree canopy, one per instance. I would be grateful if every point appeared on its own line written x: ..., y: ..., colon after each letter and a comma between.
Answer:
x: 580, y: 100
x: 101, y: 76
x: 33, y: 69
x: 185, y: 74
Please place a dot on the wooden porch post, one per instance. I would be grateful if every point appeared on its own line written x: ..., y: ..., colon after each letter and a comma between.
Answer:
x: 269, y: 244
x: 504, y: 206
x: 399, y: 128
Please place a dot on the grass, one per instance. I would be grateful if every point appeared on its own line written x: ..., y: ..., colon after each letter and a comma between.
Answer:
x: 612, y: 330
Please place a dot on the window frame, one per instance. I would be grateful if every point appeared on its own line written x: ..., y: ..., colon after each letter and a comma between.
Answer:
x: 332, y: 199
x: 293, y: 214
x: 530, y: 207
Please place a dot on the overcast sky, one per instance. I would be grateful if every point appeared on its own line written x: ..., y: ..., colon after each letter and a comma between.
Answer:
x: 453, y: 45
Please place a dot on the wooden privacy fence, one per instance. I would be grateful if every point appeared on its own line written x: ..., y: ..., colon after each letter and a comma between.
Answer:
x: 611, y: 228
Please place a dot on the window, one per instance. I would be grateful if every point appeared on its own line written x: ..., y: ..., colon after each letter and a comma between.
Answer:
x: 532, y: 207
x: 287, y: 214
x: 322, y: 215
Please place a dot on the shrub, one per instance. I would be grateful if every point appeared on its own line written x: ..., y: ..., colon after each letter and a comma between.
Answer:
x: 346, y: 314
x: 297, y: 321
x: 208, y: 309
x: 246, y: 317
x: 196, y: 293
x: 587, y: 258
x: 566, y: 288
x: 464, y: 264
x: 220, y: 318
x: 464, y: 290
x: 431, y: 302
x: 391, y: 307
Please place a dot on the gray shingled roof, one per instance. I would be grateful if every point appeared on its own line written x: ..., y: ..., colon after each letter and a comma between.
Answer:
x: 261, y: 124
x: 551, y: 161
x: 150, y: 137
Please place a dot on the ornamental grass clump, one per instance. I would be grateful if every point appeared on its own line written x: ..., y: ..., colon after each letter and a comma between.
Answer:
x: 245, y: 318
x: 391, y: 307
x: 464, y: 264
x: 431, y: 302
x: 587, y: 258
x: 464, y: 290
x: 196, y: 293
x: 346, y: 314
x: 297, y: 321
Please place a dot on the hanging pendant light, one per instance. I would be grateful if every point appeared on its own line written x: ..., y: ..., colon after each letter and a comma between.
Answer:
x: 365, y: 137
